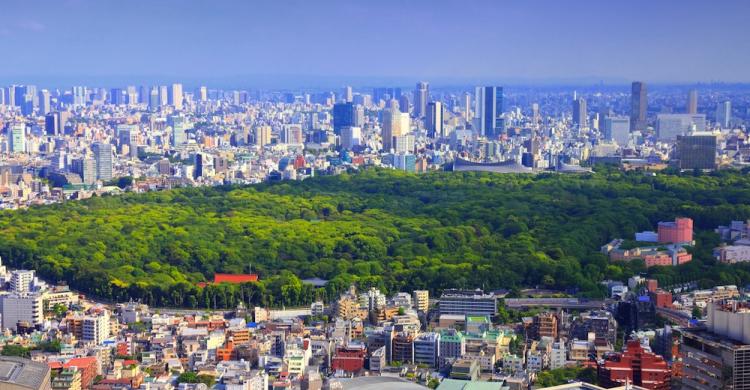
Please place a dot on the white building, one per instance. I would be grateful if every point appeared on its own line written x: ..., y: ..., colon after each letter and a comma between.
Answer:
x: 558, y: 357
x: 373, y: 299
x: 617, y: 128
x: 669, y: 126
x: 732, y: 253
x: 21, y: 281
x: 96, y: 328
x: 21, y: 307
x: 351, y: 136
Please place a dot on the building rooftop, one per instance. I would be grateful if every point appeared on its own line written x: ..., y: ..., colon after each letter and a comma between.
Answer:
x: 24, y: 373
x: 377, y: 383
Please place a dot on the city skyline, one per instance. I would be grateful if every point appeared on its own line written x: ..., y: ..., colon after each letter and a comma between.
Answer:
x: 300, y: 44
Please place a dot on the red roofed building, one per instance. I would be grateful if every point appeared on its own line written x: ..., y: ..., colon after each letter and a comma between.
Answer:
x: 87, y: 366
x: 350, y: 359
x: 677, y: 232
x: 232, y: 279
x: 636, y: 366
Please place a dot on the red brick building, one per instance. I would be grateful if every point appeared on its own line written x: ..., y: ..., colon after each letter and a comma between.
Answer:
x: 679, y: 231
x: 636, y: 366
x: 661, y: 298
x: 349, y: 358
x: 87, y: 366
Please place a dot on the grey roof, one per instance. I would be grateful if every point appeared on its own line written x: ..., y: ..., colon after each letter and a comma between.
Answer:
x: 24, y: 372
x: 497, y: 167
x: 378, y: 382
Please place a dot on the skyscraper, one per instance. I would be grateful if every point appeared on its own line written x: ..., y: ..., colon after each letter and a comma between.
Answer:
x: 52, y: 124
x: 17, y: 138
x: 153, y: 99
x: 103, y: 157
x: 348, y: 94
x: 343, y: 116
x: 44, y: 102
x: 116, y: 96
x: 617, y: 128
x: 179, y: 127
x: 580, y: 114
x: 696, y: 151
x: 467, y: 106
x: 262, y: 135
x: 391, y: 127
x: 434, y: 120
x: 638, y: 106
x: 175, y: 96
x: 421, y: 95
x: 163, y: 95
x: 692, y: 103
x: 724, y: 114
x: 203, y: 94
x: 489, y: 111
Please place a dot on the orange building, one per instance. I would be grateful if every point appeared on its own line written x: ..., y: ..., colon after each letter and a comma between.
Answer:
x: 636, y: 366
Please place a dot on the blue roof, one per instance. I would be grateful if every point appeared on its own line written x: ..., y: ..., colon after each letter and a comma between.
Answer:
x: 252, y: 325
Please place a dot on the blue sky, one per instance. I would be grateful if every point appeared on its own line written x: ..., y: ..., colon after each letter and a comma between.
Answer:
x: 365, y: 42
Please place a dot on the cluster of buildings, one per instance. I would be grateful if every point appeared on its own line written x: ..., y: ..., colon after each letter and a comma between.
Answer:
x: 667, y: 248
x: 72, y: 143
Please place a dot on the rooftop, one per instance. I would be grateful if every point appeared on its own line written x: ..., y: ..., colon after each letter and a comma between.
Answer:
x: 23, y: 372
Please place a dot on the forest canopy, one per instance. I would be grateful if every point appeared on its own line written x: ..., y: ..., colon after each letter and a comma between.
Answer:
x: 383, y: 228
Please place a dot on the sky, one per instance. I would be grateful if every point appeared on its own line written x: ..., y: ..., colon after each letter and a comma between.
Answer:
x: 338, y: 42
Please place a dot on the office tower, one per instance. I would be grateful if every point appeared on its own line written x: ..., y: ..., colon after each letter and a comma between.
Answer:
x: 203, y: 94
x: 45, y: 104
x: 128, y: 135
x: 489, y: 110
x: 535, y: 116
x: 403, y: 143
x: 292, y: 134
x: 580, y: 114
x: 638, y: 106
x: 52, y: 124
x: 391, y: 127
x: 343, y: 116
x: 692, y: 103
x: 467, y: 302
x: 421, y: 95
x: 669, y: 126
x: 179, y: 130
x: 116, y: 96
x: 348, y: 94
x: 175, y: 96
x: 131, y: 95
x: 203, y: 165
x: 153, y: 99
x: 403, y: 104
x: 359, y: 116
x: 434, y: 120
x: 262, y: 135
x: 88, y: 170
x: 385, y: 94
x: 163, y: 95
x: 79, y: 96
x: 17, y: 138
x: 724, y: 114
x: 143, y: 95
x: 467, y: 107
x: 2, y: 96
x: 617, y: 128
x: 103, y: 157
x: 696, y: 151
x: 351, y: 136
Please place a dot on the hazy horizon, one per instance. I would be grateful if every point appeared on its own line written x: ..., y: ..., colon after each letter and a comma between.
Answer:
x: 327, y: 44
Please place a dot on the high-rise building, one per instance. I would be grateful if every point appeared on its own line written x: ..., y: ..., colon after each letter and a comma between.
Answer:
x: 17, y: 138
x: 292, y: 134
x: 580, y: 114
x: 179, y: 130
x: 21, y: 281
x: 163, y: 95
x: 421, y: 95
x: 153, y: 99
x: 403, y: 143
x: 692, y: 102
x: 202, y: 94
x: 717, y: 356
x: 262, y: 135
x: 351, y: 136
x: 696, y: 151
x: 669, y: 126
x: 116, y: 96
x: 103, y: 157
x: 391, y: 127
x: 403, y: 104
x: 638, y: 106
x: 617, y: 128
x: 26, y: 307
x: 434, y: 120
x: 467, y: 107
x: 343, y: 116
x: 348, y: 94
x: 96, y: 328
x: 489, y: 111
x: 724, y: 114
x: 45, y: 104
x: 79, y: 96
x: 175, y: 96
x: 52, y: 124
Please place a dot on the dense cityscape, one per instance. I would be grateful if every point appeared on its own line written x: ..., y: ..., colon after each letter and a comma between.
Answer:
x: 344, y: 195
